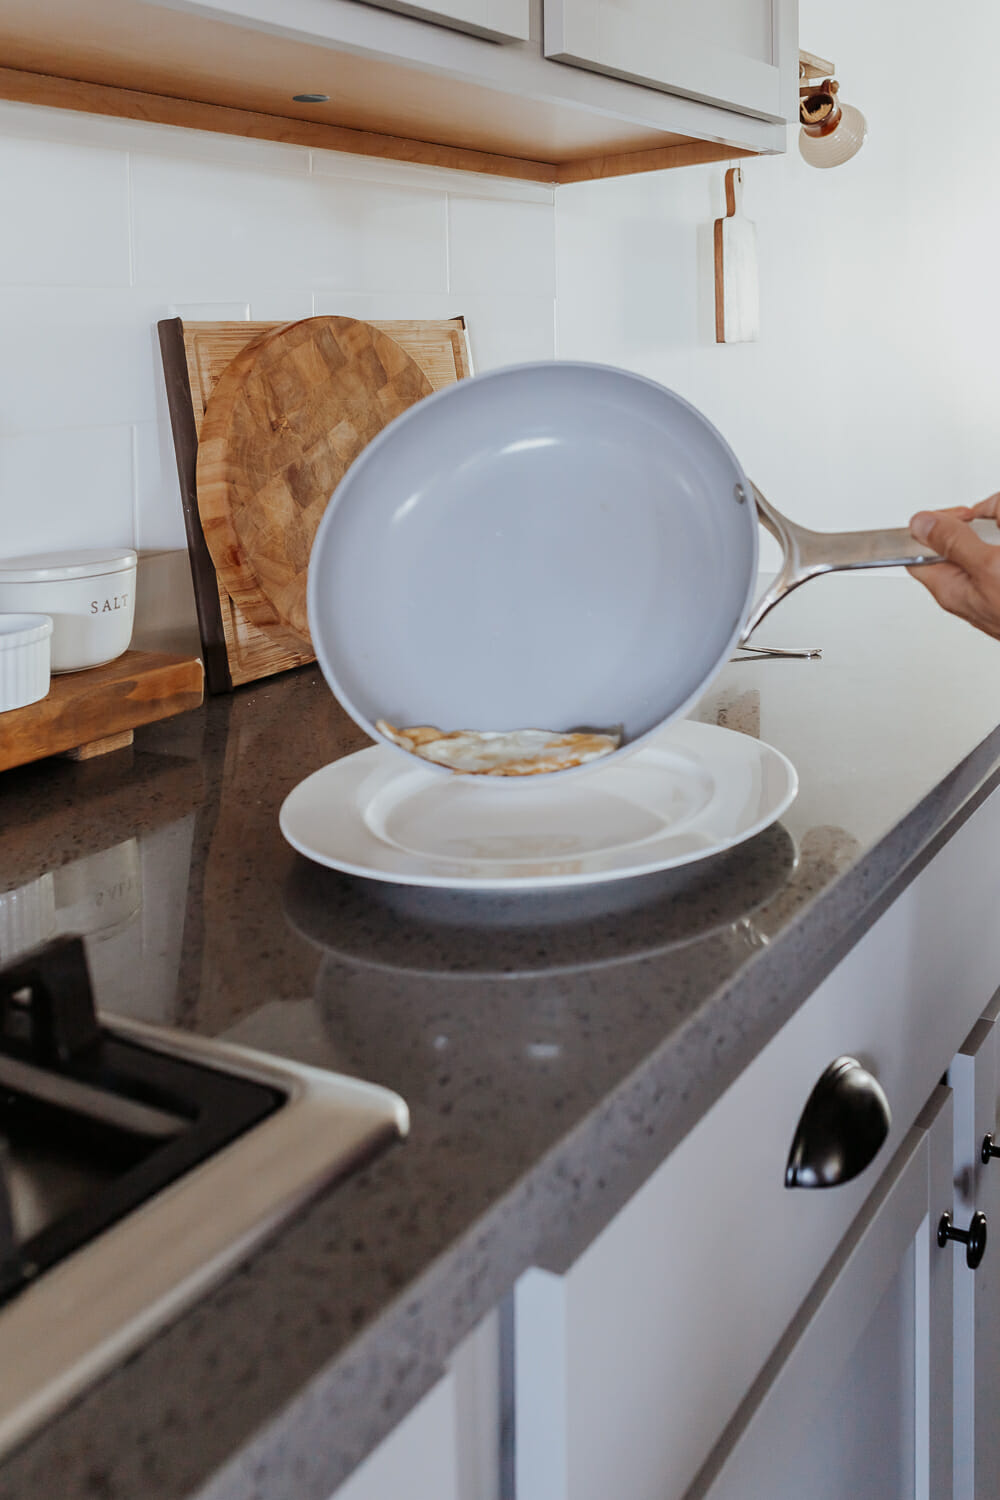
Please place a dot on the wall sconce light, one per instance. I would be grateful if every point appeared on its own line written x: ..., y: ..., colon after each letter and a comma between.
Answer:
x: 830, y: 132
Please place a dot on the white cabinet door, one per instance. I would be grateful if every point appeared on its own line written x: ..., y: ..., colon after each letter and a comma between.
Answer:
x: 739, y: 53
x: 974, y: 1078
x: 505, y: 20
x: 855, y: 1403
x: 448, y: 1447
x: 419, y: 1461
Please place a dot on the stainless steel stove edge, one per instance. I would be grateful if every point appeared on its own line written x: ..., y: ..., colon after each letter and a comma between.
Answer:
x: 88, y: 1313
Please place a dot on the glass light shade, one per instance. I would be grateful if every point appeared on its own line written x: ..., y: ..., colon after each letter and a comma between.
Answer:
x: 840, y: 145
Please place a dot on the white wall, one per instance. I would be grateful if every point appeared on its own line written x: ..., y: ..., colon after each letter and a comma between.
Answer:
x: 874, y: 388
x: 108, y: 226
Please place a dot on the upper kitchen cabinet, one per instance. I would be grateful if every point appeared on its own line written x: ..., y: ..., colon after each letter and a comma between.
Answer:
x: 742, y: 54
x: 627, y: 85
x: 506, y: 20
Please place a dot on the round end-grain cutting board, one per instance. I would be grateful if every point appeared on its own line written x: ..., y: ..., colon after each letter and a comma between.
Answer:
x: 288, y: 416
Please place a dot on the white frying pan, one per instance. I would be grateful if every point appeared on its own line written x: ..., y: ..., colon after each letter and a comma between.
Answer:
x: 554, y: 545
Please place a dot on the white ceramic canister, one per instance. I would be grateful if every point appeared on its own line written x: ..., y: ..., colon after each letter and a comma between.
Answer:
x: 89, y: 594
x: 25, y: 646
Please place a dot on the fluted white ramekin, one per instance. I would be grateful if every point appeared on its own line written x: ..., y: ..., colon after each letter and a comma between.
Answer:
x: 25, y: 642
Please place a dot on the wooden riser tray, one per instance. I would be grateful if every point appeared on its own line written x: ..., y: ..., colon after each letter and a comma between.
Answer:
x: 194, y: 356
x: 87, y: 713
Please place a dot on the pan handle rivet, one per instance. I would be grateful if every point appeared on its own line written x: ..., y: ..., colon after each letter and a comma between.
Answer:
x: 739, y: 494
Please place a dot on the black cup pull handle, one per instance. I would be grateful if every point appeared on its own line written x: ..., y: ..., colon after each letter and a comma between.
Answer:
x: 842, y: 1128
x: 973, y: 1238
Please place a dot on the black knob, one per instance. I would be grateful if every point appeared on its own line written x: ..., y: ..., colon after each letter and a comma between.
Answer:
x: 990, y: 1148
x: 973, y: 1238
x: 843, y: 1126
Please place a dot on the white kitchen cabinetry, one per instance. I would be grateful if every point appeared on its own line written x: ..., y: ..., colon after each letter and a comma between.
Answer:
x: 506, y: 20
x: 419, y: 1460
x: 742, y: 54
x: 632, y: 1362
x: 856, y: 1402
x: 974, y: 1077
x: 448, y: 1447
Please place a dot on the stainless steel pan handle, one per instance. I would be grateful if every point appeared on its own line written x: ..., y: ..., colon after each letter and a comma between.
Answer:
x: 807, y: 553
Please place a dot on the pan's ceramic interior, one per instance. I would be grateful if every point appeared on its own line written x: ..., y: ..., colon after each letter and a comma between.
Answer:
x: 554, y: 545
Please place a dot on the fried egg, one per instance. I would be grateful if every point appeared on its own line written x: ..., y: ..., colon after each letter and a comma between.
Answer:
x: 514, y: 752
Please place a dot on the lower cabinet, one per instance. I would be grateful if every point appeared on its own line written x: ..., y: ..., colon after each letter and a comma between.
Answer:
x: 419, y: 1460
x: 856, y: 1402
x: 880, y: 1388
x: 974, y: 1077
x: 729, y: 1338
x: 448, y: 1447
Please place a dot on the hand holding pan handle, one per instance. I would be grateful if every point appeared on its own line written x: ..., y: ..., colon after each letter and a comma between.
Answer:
x: 806, y: 554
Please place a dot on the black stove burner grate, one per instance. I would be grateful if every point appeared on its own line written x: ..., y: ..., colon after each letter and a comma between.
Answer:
x: 92, y: 1124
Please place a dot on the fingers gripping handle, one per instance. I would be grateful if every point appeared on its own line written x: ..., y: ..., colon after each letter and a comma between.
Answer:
x: 806, y: 554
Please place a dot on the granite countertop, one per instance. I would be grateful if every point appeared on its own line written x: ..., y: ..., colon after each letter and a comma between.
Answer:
x: 552, y: 1048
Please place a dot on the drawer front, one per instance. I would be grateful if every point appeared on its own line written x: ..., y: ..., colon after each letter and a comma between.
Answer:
x: 639, y: 1355
x: 855, y: 1403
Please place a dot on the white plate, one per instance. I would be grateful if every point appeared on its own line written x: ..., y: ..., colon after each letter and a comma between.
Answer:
x: 689, y: 792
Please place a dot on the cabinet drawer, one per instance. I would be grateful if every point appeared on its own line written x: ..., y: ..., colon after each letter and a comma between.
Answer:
x: 644, y: 1348
x: 855, y: 1402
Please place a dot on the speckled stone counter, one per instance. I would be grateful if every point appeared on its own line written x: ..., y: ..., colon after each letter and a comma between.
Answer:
x: 552, y: 1048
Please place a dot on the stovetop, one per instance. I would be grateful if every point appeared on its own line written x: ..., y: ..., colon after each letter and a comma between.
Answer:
x: 137, y: 1165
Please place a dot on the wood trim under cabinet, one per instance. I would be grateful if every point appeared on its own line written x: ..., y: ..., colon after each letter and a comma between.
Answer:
x: 655, y: 159
x: 161, y: 109
x: 191, y: 114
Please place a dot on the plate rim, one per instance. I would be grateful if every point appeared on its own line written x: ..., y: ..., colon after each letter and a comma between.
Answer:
x: 545, y: 882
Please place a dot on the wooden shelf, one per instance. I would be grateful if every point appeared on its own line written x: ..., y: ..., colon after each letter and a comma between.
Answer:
x: 92, y: 712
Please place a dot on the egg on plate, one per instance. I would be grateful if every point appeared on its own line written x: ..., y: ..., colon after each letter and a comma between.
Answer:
x: 514, y: 752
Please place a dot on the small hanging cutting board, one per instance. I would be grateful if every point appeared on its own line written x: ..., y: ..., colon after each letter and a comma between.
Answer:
x: 737, y: 297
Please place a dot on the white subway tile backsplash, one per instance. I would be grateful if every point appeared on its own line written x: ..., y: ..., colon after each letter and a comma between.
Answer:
x: 392, y: 239
x: 208, y: 229
x: 75, y: 357
x: 273, y: 305
x: 385, y: 305
x: 509, y: 330
x: 502, y: 330
x: 341, y: 164
x: 55, y: 126
x: 66, y: 487
x: 506, y: 248
x: 159, y: 519
x: 110, y: 226
x: 209, y: 312
x: 65, y: 215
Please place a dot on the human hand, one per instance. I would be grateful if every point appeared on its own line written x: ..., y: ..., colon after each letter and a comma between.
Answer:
x: 968, y: 583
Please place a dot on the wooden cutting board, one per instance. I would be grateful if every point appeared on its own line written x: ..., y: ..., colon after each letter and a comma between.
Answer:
x: 237, y: 647
x: 737, y: 298
x: 289, y: 415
